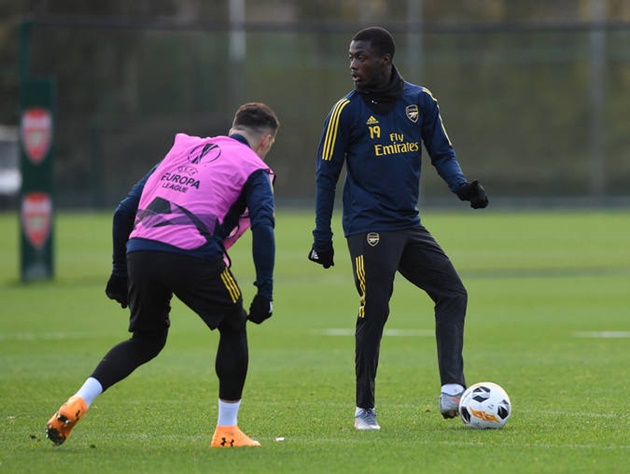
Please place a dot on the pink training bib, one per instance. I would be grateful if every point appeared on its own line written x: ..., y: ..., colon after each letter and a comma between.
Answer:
x: 192, y: 190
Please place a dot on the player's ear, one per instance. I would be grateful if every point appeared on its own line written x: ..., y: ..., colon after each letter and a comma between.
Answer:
x: 267, y: 141
x: 264, y: 145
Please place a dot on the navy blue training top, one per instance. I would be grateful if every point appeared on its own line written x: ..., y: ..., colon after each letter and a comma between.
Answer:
x: 383, y: 155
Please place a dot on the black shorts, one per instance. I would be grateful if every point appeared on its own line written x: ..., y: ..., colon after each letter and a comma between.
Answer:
x: 206, y: 287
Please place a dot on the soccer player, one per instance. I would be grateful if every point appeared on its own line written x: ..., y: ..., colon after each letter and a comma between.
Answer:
x: 377, y: 130
x: 170, y: 237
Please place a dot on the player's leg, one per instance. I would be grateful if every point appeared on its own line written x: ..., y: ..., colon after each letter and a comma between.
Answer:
x: 128, y: 355
x: 231, y: 368
x: 426, y: 265
x: 232, y: 356
x: 375, y: 258
x: 149, y: 303
x: 148, y: 299
x: 210, y: 289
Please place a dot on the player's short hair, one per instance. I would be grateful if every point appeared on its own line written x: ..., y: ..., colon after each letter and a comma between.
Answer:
x: 257, y: 117
x: 379, y: 38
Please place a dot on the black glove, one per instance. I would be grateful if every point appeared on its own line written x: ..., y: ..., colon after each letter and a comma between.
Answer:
x: 116, y: 289
x: 324, y: 258
x: 260, y: 309
x: 474, y: 193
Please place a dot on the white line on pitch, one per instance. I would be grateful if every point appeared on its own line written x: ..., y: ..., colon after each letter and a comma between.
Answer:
x: 603, y: 334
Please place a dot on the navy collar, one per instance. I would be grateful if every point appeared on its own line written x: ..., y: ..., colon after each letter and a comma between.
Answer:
x: 240, y: 138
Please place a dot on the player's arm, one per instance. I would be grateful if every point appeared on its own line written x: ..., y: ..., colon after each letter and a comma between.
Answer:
x: 124, y: 218
x: 438, y: 144
x: 443, y: 157
x: 123, y: 223
x: 260, y: 202
x: 330, y: 158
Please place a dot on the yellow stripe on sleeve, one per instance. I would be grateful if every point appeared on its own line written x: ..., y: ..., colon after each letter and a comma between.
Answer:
x: 441, y: 123
x: 332, y: 130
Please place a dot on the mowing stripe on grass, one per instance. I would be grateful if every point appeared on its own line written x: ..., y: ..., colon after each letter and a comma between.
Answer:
x: 493, y: 444
x: 51, y: 336
x: 387, y: 332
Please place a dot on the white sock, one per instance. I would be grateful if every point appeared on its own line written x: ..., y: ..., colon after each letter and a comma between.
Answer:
x: 228, y: 413
x: 452, y: 389
x: 91, y: 389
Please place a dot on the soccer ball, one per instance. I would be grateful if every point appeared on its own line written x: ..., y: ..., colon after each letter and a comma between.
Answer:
x: 485, y: 405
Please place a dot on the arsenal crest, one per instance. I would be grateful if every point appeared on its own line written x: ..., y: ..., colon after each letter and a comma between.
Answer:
x: 36, y: 133
x: 37, y: 212
x: 373, y: 238
x: 412, y: 112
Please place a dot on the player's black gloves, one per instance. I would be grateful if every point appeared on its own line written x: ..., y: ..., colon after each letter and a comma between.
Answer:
x: 325, y: 258
x: 116, y: 289
x: 474, y: 193
x: 260, y: 309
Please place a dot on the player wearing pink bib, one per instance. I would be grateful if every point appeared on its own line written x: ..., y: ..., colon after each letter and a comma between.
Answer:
x: 171, y: 235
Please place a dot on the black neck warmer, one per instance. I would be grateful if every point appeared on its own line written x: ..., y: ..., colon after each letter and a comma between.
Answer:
x: 382, y: 100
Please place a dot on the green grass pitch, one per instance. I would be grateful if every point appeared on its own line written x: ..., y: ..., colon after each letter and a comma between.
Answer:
x: 548, y: 319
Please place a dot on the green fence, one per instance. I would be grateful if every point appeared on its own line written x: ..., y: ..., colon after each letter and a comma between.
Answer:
x: 535, y: 112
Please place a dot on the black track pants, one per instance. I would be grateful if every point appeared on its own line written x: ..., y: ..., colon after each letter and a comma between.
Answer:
x: 376, y: 257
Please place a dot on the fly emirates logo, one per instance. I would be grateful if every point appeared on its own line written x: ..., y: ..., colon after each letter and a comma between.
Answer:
x: 397, y: 145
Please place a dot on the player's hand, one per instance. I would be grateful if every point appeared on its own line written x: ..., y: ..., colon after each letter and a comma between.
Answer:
x: 260, y: 309
x: 116, y: 290
x: 325, y: 258
x: 474, y: 193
